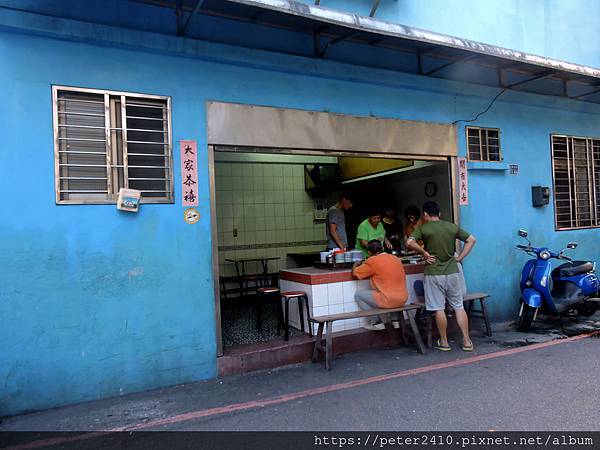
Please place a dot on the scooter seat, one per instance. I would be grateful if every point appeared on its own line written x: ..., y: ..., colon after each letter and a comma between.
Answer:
x: 574, y: 268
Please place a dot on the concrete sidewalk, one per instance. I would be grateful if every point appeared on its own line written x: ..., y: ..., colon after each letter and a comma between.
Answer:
x: 216, y: 397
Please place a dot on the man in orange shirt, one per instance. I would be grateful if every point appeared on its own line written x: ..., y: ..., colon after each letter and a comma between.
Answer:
x: 388, y: 281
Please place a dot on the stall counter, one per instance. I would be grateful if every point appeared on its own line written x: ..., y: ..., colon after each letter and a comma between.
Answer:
x: 332, y: 291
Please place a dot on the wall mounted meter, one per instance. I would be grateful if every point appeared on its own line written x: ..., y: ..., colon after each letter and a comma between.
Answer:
x: 540, y: 195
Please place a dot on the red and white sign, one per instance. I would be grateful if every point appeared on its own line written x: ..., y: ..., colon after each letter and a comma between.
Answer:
x: 189, y: 173
x: 463, y: 182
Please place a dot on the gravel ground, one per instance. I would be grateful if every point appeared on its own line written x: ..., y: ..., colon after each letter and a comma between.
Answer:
x: 238, y: 322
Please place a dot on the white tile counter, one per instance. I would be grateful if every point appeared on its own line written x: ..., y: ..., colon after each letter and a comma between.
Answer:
x: 332, y: 292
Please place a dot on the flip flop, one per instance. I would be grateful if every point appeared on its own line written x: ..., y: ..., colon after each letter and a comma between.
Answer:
x: 443, y: 348
x: 467, y: 348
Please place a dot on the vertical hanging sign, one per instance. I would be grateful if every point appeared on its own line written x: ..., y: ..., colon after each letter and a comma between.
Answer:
x: 189, y: 173
x: 463, y: 182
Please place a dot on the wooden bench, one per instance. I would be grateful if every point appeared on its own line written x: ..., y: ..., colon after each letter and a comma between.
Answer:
x: 469, y: 301
x: 327, y: 321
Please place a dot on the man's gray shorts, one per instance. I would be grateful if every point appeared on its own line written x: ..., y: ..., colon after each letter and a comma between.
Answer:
x: 439, y: 288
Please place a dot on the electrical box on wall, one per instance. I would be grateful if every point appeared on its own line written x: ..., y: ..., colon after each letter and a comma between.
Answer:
x: 540, y: 196
x: 129, y: 200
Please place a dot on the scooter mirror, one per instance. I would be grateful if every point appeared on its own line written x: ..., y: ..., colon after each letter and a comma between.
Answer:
x: 572, y: 245
x: 523, y: 233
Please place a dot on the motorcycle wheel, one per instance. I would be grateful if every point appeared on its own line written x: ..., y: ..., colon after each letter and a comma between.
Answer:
x: 524, y: 322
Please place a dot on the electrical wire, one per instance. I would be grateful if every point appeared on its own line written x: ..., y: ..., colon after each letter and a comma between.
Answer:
x: 481, y: 113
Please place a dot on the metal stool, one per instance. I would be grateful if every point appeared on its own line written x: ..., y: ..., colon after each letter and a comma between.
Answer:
x: 256, y: 279
x: 263, y: 294
x: 302, y: 298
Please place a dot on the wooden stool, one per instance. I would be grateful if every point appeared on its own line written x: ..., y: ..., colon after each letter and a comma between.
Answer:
x: 479, y: 313
x: 425, y: 318
x: 263, y: 294
x: 302, y: 298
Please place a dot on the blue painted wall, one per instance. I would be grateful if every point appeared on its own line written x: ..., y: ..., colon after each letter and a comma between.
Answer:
x: 97, y: 303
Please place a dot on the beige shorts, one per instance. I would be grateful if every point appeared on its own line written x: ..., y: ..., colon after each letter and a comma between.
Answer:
x: 439, y: 288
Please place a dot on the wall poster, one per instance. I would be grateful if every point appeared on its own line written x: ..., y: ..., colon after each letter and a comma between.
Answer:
x: 189, y: 173
x: 463, y: 182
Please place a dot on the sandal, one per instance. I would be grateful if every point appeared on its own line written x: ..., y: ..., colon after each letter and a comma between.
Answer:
x: 444, y: 348
x: 467, y: 348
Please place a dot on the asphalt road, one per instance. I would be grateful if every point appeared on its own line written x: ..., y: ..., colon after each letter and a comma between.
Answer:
x: 549, y: 388
x: 555, y: 388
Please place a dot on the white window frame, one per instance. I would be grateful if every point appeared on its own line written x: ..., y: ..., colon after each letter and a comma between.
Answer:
x: 169, y: 197
x: 482, y: 130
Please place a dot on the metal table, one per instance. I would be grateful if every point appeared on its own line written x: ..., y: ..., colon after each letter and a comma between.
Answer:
x: 243, y: 277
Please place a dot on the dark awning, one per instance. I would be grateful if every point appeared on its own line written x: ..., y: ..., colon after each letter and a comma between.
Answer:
x: 348, y: 37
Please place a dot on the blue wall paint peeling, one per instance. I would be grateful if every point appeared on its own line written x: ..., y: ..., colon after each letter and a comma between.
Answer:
x: 98, y: 302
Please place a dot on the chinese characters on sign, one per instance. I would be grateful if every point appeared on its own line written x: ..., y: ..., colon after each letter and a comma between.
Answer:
x: 463, y: 182
x: 189, y: 173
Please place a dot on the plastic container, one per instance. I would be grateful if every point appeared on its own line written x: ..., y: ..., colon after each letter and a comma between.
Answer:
x: 323, y: 256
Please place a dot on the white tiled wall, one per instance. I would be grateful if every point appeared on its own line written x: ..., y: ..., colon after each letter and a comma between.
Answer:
x: 267, y: 204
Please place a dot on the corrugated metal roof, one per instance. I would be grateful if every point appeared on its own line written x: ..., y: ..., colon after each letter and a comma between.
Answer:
x: 421, y: 52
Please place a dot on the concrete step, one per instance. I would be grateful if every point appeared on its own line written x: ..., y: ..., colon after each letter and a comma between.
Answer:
x: 277, y: 353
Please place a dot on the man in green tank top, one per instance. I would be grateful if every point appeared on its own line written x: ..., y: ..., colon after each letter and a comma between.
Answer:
x: 443, y: 280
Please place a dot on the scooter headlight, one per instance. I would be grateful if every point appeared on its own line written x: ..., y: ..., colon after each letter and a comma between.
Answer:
x: 545, y: 254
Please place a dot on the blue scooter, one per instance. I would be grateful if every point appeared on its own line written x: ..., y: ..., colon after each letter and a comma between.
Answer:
x: 570, y: 286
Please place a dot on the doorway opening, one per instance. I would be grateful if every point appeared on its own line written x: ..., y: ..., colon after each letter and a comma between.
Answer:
x: 270, y: 209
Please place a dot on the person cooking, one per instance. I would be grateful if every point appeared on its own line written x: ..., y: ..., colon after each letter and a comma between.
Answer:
x: 393, y: 229
x: 335, y: 226
x: 371, y: 229
x: 413, y: 221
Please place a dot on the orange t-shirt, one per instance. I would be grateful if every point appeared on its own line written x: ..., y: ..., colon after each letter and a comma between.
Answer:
x: 387, y: 278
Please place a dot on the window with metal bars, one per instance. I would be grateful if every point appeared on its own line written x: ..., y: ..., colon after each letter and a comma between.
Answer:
x: 576, y: 170
x: 105, y: 140
x: 483, y: 144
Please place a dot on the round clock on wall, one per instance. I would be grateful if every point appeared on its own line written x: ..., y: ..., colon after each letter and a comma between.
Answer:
x: 430, y: 189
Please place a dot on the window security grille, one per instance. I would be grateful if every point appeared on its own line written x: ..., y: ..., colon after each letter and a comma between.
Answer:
x: 576, y: 169
x: 107, y: 140
x: 483, y: 144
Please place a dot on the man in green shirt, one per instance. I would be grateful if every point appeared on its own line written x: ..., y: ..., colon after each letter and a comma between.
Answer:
x: 371, y: 229
x: 443, y: 280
